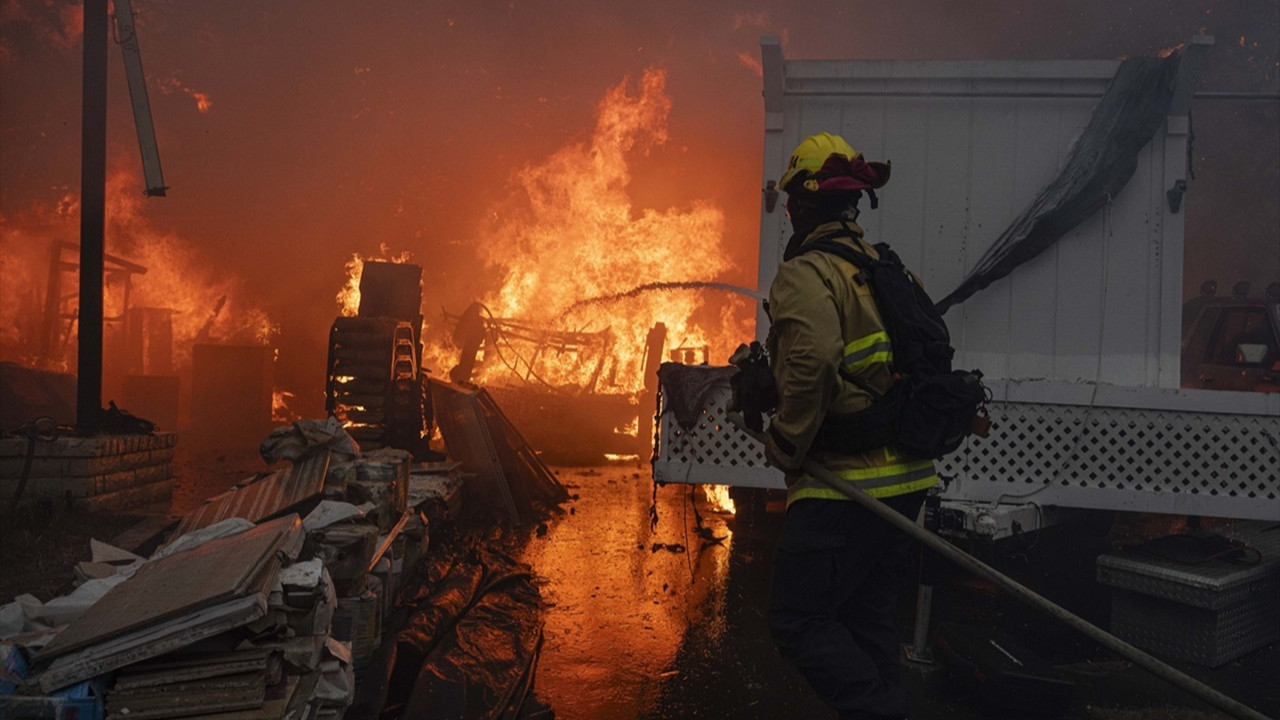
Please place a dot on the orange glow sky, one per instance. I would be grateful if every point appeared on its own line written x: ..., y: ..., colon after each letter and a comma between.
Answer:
x: 294, y: 134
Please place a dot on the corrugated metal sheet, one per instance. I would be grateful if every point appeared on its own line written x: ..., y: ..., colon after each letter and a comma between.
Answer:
x: 971, y: 144
x: 263, y: 498
x: 466, y: 434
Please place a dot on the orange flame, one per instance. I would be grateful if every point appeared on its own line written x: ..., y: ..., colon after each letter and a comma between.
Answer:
x: 718, y: 497
x: 203, y: 102
x: 207, y: 307
x: 204, y: 305
x: 280, y: 411
x: 348, y: 298
x: 573, y: 235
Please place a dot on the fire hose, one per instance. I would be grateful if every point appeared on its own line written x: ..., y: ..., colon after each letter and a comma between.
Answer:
x: 939, y: 545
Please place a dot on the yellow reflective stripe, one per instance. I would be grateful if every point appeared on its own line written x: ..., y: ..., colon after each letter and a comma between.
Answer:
x: 888, y: 474
x: 866, y: 341
x: 883, y: 481
x: 866, y: 351
x: 826, y: 493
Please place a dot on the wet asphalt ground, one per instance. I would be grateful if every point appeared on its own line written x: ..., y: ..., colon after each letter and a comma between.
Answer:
x: 666, y: 621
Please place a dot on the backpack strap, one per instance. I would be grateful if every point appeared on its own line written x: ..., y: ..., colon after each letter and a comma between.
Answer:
x: 857, y: 258
x: 863, y: 262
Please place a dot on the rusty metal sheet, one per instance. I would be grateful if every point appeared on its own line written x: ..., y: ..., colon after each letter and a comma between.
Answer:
x: 265, y: 498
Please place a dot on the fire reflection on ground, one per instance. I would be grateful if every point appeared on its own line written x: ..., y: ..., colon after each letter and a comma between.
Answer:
x: 620, y: 596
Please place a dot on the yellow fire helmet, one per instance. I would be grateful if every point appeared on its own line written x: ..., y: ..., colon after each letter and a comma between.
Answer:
x: 826, y: 163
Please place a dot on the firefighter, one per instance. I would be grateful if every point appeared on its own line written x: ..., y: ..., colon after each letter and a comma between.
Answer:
x: 838, y: 569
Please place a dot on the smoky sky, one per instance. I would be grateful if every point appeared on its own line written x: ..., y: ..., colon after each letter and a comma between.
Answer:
x: 295, y: 133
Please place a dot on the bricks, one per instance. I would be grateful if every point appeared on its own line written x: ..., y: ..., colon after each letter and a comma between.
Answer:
x: 102, y: 473
x: 88, y: 447
x: 136, y: 496
x: 87, y: 485
x: 58, y: 467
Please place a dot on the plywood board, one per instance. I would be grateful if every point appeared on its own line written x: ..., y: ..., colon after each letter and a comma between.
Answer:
x: 219, y: 570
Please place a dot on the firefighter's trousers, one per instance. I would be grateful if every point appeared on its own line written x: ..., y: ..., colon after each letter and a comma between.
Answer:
x: 837, y: 576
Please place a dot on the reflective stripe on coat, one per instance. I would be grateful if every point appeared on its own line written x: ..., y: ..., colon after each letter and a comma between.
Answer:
x: 824, y: 323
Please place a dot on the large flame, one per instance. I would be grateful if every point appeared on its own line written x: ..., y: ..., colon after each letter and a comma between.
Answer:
x: 348, y: 298
x: 202, y: 304
x: 207, y: 306
x: 572, y: 249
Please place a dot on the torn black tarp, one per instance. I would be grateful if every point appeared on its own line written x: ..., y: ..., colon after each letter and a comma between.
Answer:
x: 1100, y: 163
x: 468, y: 648
x: 685, y: 389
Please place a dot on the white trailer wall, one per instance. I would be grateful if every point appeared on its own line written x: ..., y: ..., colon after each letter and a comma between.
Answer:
x: 972, y: 143
x: 1080, y: 345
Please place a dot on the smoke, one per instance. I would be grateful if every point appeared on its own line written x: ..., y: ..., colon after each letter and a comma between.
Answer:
x: 411, y: 124
x: 52, y: 24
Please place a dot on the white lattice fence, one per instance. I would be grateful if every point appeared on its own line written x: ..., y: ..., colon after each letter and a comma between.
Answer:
x: 1211, y: 464
x: 713, y: 451
x: 1124, y: 458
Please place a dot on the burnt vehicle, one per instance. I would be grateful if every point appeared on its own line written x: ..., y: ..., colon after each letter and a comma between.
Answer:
x: 1232, y: 343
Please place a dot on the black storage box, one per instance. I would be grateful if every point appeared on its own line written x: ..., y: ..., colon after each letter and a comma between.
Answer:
x: 1001, y: 671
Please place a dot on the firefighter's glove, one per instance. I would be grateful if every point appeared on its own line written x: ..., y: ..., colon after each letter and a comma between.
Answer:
x: 754, y: 391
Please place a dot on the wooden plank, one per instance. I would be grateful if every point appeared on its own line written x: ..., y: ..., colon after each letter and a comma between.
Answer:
x: 138, y: 496
x: 531, y: 465
x: 173, y: 586
x: 1128, y: 280
x: 76, y: 488
x: 76, y: 447
x: 363, y: 354
x: 902, y: 201
x: 363, y: 370
x: 1080, y: 268
x: 353, y: 399
x: 43, y: 466
x: 142, y: 538
x: 153, y: 640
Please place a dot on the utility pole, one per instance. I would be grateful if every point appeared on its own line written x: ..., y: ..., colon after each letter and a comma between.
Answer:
x: 93, y: 192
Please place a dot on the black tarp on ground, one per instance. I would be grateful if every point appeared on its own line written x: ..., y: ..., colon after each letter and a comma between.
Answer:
x: 468, y: 641
x: 1101, y: 162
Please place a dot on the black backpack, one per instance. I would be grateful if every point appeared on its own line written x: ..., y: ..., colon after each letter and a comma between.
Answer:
x: 930, y: 408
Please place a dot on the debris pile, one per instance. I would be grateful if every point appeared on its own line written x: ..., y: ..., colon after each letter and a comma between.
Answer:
x: 225, y: 618
x: 269, y: 600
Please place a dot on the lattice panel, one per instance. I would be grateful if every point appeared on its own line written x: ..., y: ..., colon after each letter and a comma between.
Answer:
x: 712, y: 441
x: 713, y: 451
x: 1068, y: 455
x: 1124, y: 449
